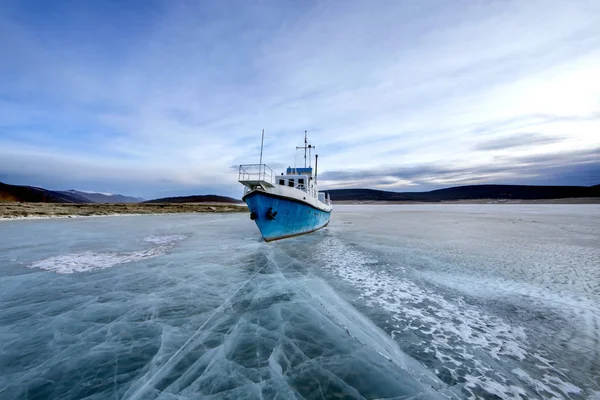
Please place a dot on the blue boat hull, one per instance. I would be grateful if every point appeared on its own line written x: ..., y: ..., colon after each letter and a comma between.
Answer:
x: 293, y: 217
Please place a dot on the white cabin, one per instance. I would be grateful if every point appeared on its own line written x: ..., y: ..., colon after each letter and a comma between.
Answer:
x: 296, y: 183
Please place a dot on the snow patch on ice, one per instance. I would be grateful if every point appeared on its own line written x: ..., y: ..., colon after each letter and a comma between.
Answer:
x: 452, y: 331
x: 90, y: 261
x: 74, y: 216
x: 550, y: 386
x: 494, y: 387
x: 165, y: 240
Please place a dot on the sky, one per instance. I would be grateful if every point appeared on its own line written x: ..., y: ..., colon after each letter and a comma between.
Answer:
x: 166, y: 98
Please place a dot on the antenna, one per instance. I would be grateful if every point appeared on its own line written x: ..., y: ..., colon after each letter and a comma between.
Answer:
x: 306, y: 146
x: 261, y: 146
x: 305, y: 142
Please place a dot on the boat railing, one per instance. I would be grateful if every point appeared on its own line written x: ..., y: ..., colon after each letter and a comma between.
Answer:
x: 256, y: 173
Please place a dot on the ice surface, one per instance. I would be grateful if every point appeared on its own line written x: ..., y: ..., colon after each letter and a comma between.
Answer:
x: 88, y: 261
x: 388, y: 302
x: 479, y: 292
x: 190, y: 307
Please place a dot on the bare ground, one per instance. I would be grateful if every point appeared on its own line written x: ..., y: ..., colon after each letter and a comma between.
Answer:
x: 33, y: 210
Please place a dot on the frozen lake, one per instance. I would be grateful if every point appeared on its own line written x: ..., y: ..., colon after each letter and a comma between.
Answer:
x: 398, y: 302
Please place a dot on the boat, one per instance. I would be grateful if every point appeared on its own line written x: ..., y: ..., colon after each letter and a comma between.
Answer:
x: 285, y: 205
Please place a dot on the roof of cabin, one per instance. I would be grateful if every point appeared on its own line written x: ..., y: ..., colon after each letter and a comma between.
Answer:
x: 299, y: 170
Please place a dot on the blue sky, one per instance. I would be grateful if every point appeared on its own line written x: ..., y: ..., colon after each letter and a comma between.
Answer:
x: 162, y: 98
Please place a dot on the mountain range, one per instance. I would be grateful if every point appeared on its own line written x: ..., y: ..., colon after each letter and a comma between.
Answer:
x: 32, y: 194
x: 472, y: 192
x: 16, y: 193
x: 102, y: 197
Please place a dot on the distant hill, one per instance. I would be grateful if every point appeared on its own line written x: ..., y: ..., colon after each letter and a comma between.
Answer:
x: 33, y: 194
x: 472, y: 192
x: 16, y: 193
x: 103, y: 197
x: 208, y: 198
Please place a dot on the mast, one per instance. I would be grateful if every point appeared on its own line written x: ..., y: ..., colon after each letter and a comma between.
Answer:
x: 261, y: 145
x: 260, y: 167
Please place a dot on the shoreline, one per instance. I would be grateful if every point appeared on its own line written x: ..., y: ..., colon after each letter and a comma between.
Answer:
x: 13, y: 211
x: 25, y: 211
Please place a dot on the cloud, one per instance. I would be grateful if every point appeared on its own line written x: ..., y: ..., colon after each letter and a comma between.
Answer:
x: 572, y: 168
x: 524, y: 139
x: 179, y: 91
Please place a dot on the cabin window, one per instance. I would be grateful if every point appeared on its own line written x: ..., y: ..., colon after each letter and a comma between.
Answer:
x: 291, y: 183
x: 282, y: 182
